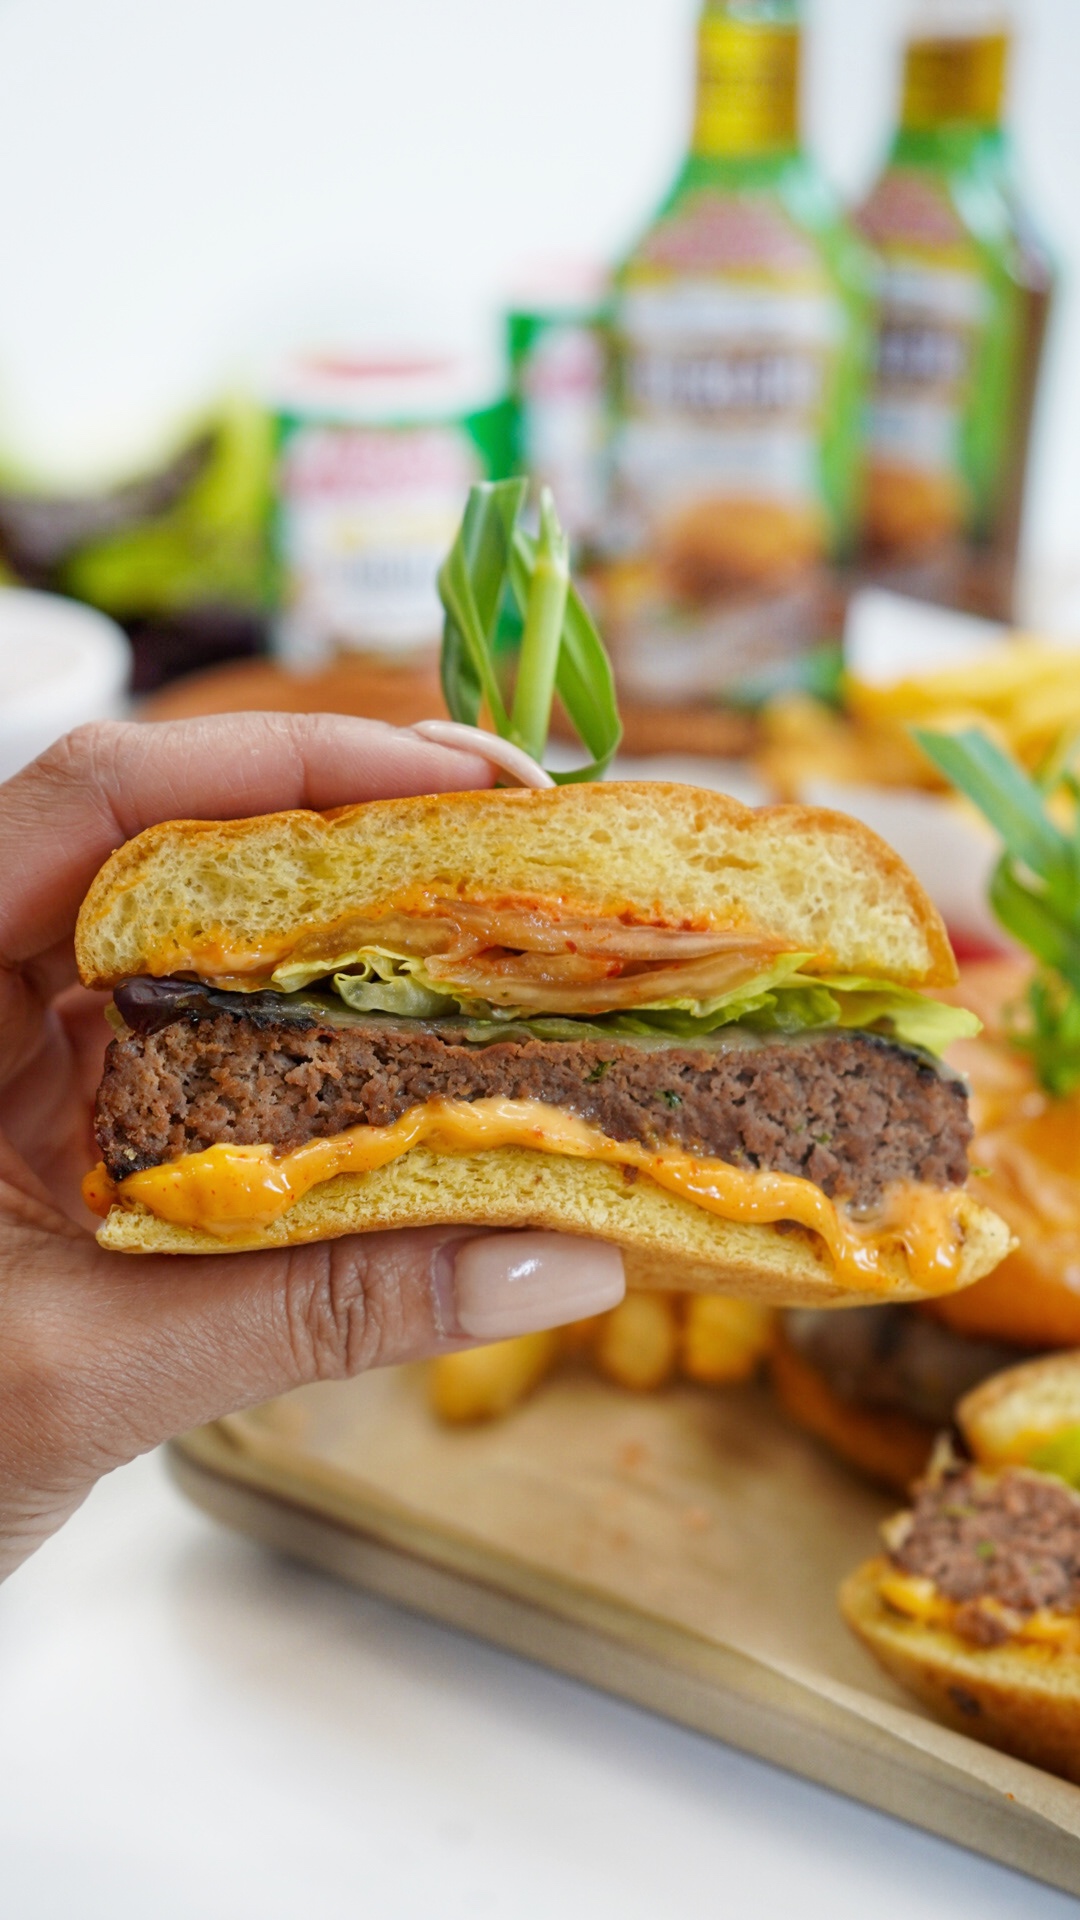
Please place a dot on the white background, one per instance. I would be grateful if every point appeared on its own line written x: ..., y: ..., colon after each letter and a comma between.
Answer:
x: 185, y: 181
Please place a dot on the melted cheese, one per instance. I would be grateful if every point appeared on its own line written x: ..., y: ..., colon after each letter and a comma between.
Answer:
x: 919, y: 1599
x: 233, y: 1191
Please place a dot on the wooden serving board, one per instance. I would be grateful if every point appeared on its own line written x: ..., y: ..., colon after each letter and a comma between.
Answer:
x: 681, y: 1550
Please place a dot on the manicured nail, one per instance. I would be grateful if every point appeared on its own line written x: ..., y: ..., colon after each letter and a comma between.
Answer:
x: 509, y: 1283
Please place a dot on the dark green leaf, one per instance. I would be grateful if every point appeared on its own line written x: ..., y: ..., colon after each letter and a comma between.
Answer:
x: 1035, y: 887
x: 1010, y: 801
x: 471, y: 583
x: 586, y: 687
x: 1048, y: 1028
x: 1031, y: 919
x: 489, y: 554
x: 584, y: 680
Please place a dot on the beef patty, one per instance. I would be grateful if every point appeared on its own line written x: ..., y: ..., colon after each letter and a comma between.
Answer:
x: 849, y: 1111
x: 1013, y: 1537
x: 892, y: 1359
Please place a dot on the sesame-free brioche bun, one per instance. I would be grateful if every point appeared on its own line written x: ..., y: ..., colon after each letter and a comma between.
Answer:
x: 668, y: 1242
x: 1022, y: 1699
x: 1009, y: 1418
x: 642, y: 853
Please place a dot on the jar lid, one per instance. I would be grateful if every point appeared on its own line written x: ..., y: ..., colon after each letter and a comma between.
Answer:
x: 374, y: 389
x: 61, y: 663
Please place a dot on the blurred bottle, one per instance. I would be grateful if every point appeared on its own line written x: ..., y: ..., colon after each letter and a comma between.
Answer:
x: 557, y: 381
x: 740, y: 346
x: 964, y: 286
x: 374, y: 460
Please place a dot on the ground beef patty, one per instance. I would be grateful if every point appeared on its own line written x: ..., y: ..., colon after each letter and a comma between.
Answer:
x: 849, y: 1111
x: 1013, y: 1537
x: 893, y: 1360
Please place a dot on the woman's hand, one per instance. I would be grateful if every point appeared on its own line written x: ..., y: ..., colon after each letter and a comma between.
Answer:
x: 104, y: 1355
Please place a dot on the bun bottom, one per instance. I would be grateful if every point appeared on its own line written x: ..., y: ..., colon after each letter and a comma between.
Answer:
x: 890, y: 1447
x: 1008, y: 1418
x: 668, y: 1242
x: 1014, y: 1698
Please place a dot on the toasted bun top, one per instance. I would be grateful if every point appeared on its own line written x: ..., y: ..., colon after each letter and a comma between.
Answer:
x: 1010, y: 1416
x: 185, y: 893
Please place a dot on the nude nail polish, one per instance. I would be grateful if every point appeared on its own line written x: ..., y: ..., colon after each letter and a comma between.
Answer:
x: 510, y: 1283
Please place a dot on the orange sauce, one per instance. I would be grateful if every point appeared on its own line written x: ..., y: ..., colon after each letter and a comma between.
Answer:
x: 1029, y: 1145
x: 919, y: 1599
x: 425, y: 925
x: 236, y: 1191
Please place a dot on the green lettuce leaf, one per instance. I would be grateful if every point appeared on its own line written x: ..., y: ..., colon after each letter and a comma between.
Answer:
x: 910, y: 1016
x: 781, y: 999
x: 390, y: 985
x: 367, y: 963
x: 1060, y: 1456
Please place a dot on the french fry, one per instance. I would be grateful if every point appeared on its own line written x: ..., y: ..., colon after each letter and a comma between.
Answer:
x: 1026, y: 694
x: 637, y: 1343
x: 804, y: 740
x: 578, y: 1337
x: 484, y: 1383
x: 990, y: 683
x: 723, y: 1341
x: 1042, y: 714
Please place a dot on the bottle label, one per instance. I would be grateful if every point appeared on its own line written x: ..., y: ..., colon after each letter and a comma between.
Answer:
x: 935, y: 303
x: 364, y: 517
x: 748, y: 87
x: 727, y: 333
x: 958, y: 81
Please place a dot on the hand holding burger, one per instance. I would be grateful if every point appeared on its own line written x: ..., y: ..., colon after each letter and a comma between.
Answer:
x: 629, y: 1021
x: 101, y: 1358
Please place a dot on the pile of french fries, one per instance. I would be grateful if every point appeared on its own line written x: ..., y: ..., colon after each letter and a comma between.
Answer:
x: 1026, y: 694
x: 642, y: 1344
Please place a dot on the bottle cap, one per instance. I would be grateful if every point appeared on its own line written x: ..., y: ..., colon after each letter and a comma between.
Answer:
x: 956, y: 63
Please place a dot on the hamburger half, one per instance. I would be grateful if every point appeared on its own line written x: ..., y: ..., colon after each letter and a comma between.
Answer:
x: 638, y: 1012
x: 975, y: 1604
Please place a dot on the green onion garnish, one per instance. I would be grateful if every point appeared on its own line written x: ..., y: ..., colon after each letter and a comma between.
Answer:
x: 1035, y: 887
x: 492, y: 560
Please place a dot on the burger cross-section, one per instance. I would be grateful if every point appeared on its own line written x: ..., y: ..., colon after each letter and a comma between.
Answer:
x: 640, y: 1012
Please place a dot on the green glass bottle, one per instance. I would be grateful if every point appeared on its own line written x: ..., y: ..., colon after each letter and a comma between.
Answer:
x: 964, y: 286
x: 740, y: 347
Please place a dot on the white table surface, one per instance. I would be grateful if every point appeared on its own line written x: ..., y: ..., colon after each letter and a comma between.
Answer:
x: 191, y: 1729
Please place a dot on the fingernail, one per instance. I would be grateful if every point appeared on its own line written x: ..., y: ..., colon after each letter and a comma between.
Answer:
x: 509, y: 1283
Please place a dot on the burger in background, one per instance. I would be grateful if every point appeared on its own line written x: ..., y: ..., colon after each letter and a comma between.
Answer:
x: 972, y: 1605
x: 878, y: 1384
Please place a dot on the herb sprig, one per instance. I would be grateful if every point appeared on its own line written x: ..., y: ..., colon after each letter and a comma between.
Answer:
x: 1035, y: 887
x: 493, y: 557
